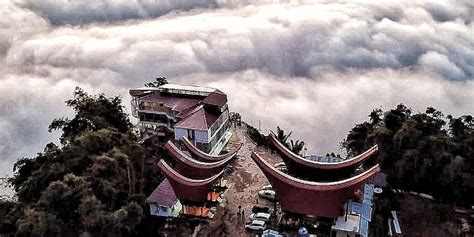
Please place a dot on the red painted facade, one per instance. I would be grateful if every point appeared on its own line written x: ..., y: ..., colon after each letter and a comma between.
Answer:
x: 324, y: 199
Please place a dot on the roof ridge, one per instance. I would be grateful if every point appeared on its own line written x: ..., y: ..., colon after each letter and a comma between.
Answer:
x: 198, y: 117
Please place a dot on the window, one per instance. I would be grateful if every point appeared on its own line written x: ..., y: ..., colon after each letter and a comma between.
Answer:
x: 191, y: 134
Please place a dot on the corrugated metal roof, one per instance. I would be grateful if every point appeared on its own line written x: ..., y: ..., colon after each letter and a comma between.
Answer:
x: 326, y: 159
x: 396, y: 224
x: 363, y: 209
x: 176, y: 103
x: 187, y: 88
x: 368, y: 194
x: 216, y: 98
x: 364, y: 228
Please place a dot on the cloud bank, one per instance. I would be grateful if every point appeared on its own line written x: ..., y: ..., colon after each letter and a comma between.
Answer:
x: 314, y: 68
x: 86, y: 11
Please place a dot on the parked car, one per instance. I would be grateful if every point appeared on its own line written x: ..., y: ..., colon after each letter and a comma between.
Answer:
x: 260, y: 216
x: 267, y: 187
x: 267, y: 194
x: 229, y: 169
x: 280, y: 164
x: 265, y: 209
x: 271, y: 233
x: 255, y: 225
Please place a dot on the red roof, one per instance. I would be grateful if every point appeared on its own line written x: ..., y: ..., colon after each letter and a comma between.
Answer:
x: 312, y: 198
x: 193, y: 168
x: 202, y: 156
x: 176, y: 103
x: 191, y: 110
x: 216, y: 98
x: 187, y: 189
x: 318, y: 170
x: 163, y: 195
x: 199, y: 118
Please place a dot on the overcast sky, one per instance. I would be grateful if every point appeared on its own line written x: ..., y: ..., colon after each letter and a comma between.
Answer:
x: 313, y: 68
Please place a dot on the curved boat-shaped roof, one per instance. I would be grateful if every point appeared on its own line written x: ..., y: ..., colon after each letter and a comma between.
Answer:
x: 290, y: 157
x: 200, y: 155
x: 187, y: 189
x: 193, y: 168
x: 312, y: 198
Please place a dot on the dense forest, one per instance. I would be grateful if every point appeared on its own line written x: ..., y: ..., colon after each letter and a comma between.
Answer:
x: 422, y: 152
x: 93, y: 183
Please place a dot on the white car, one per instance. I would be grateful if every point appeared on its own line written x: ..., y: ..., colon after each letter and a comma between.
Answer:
x: 282, y: 169
x: 267, y: 187
x: 267, y: 194
x: 255, y: 225
x: 280, y: 164
x: 260, y: 216
x: 271, y: 233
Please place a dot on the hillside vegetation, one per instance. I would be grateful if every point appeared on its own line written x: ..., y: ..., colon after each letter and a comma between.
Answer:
x: 423, y: 152
x: 93, y: 183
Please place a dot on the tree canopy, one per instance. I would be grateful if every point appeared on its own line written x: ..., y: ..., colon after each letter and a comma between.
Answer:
x: 424, y: 152
x: 92, y: 183
x: 295, y: 146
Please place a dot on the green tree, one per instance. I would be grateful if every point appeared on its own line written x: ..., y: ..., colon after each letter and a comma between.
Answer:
x: 419, y: 152
x: 282, y: 136
x: 92, y: 184
x: 296, y: 147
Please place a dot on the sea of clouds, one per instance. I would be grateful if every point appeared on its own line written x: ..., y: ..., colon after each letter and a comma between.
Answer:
x: 313, y: 68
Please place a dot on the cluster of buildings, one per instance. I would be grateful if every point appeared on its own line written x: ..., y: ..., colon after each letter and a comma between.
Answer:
x: 333, y: 189
x: 194, y: 186
x: 197, y: 120
x: 173, y: 111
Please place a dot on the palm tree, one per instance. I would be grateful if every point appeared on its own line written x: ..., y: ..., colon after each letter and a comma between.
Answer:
x: 296, y: 147
x: 282, y: 137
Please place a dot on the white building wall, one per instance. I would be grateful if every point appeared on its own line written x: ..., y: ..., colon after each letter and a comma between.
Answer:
x: 179, y: 133
x: 200, y: 135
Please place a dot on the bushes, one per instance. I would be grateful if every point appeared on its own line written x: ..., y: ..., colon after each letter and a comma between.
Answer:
x: 256, y: 136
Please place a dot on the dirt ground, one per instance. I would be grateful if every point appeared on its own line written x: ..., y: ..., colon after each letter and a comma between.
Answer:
x: 246, y: 180
x: 425, y: 218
